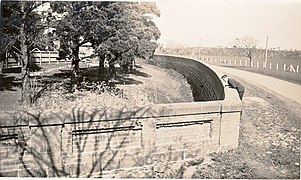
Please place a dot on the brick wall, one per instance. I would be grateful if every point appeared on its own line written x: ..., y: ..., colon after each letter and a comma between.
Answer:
x: 87, y: 147
x: 87, y: 144
x: 205, y: 84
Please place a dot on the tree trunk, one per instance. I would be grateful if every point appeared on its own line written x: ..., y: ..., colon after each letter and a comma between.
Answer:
x: 250, y: 60
x: 25, y: 60
x: 2, y: 52
x: 101, y: 68
x: 26, y: 93
x: 74, y: 68
x: 2, y: 56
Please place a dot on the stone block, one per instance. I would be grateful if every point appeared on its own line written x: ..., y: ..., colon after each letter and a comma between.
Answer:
x: 130, y: 161
x: 229, y: 139
x: 230, y: 123
x: 177, y: 156
x: 10, y: 173
x: 232, y: 102
x: 148, y: 159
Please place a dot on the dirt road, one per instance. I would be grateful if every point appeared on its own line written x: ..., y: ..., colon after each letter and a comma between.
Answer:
x: 281, y: 88
x: 269, y: 143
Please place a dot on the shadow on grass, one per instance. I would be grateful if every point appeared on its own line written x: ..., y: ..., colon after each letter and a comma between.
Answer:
x: 9, y: 82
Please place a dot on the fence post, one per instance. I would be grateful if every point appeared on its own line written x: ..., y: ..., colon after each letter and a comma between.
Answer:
x: 246, y: 62
x: 277, y: 66
x: 284, y: 67
x: 235, y: 61
x: 230, y: 61
x: 240, y: 62
x: 257, y: 64
x: 297, y: 69
x: 270, y: 65
x: 252, y: 64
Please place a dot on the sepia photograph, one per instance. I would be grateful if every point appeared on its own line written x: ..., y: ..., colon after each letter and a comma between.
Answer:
x: 164, y: 89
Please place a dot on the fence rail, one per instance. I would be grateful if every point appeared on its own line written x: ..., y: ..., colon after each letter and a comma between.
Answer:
x: 239, y: 61
x: 38, y: 57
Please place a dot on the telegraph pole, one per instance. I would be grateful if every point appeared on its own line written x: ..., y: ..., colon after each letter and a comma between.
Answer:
x: 266, y: 53
x: 200, y: 48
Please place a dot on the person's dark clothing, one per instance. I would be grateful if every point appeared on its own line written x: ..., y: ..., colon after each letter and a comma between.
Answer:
x: 239, y: 87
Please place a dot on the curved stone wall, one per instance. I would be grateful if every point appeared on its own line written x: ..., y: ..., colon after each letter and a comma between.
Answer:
x: 205, y: 84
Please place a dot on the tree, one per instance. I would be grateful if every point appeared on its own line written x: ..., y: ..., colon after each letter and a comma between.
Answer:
x: 131, y: 31
x: 77, y: 23
x: 116, y: 30
x: 22, y: 30
x: 147, y: 31
x: 245, y: 46
x: 2, y: 47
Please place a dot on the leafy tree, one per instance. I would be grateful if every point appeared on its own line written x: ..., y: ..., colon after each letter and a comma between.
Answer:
x: 131, y: 32
x: 77, y: 23
x: 245, y: 46
x: 22, y: 30
x: 118, y: 31
x: 147, y: 30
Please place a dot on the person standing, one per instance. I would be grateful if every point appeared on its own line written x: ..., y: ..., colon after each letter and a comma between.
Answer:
x: 232, y: 83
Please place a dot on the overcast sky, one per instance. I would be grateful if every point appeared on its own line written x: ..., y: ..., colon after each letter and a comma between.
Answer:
x: 218, y: 22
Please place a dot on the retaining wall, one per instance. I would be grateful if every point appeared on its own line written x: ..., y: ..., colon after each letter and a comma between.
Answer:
x: 205, y: 84
x: 89, y: 144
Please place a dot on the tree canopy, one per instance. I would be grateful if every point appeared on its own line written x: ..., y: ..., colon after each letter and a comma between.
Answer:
x: 21, y: 30
x: 123, y: 30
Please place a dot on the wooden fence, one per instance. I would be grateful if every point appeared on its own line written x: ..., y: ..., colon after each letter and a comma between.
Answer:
x: 45, y: 57
x: 239, y: 61
x: 39, y: 57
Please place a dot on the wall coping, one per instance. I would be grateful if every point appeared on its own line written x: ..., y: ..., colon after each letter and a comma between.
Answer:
x: 151, y: 111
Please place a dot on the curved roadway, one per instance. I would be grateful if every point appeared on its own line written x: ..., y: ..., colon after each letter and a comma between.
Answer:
x: 283, y: 88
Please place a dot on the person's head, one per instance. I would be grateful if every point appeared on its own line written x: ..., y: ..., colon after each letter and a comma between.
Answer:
x: 224, y: 77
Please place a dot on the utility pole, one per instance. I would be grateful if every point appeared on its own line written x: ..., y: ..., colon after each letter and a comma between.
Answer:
x: 200, y: 48
x: 266, y: 53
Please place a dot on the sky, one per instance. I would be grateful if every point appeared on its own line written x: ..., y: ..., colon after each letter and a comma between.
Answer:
x: 213, y: 23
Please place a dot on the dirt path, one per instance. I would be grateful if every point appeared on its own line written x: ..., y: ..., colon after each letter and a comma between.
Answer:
x: 283, y: 88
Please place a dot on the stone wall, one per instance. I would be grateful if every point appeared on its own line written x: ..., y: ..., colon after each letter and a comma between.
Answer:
x: 88, y: 144
x: 205, y: 84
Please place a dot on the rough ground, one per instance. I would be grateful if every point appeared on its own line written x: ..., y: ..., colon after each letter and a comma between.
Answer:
x: 142, y: 87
